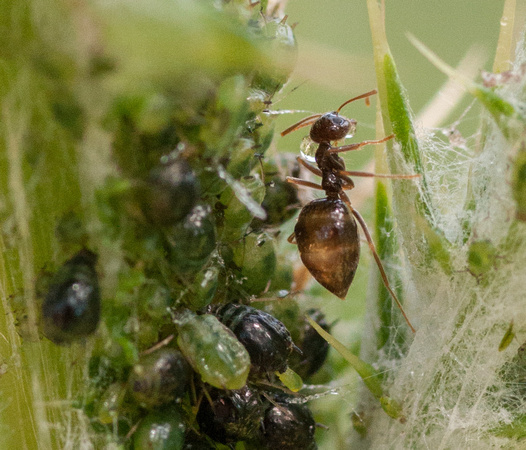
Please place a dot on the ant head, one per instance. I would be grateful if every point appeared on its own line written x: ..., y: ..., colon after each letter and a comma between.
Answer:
x: 331, y: 127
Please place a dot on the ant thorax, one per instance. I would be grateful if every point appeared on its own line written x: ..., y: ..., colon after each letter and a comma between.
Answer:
x: 330, y: 164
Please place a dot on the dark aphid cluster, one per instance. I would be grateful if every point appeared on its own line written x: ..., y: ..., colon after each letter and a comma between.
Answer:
x: 314, y: 349
x: 169, y: 193
x: 281, y: 198
x: 326, y: 232
x: 264, y: 421
x: 288, y: 426
x: 160, y: 377
x: 266, y: 339
x: 71, y: 307
x: 232, y: 415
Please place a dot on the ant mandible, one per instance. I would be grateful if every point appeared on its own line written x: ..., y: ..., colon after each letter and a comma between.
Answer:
x: 326, y: 232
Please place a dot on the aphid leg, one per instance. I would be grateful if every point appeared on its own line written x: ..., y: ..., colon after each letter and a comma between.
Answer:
x: 302, y: 123
x: 159, y: 345
x: 308, y: 166
x: 207, y: 395
x: 376, y: 257
x: 133, y: 430
x: 292, y: 238
x: 305, y: 183
x: 358, y: 145
x: 377, y: 175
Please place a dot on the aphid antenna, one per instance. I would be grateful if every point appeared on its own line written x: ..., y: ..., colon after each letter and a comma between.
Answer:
x: 208, y: 398
x: 366, y: 96
x: 271, y: 400
x: 133, y: 429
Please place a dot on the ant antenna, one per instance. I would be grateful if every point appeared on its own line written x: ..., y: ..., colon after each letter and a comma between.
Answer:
x: 366, y: 95
x: 302, y: 123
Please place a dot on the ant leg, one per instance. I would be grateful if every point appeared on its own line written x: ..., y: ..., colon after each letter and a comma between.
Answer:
x: 292, y: 238
x: 308, y: 166
x: 348, y: 183
x: 362, y: 223
x: 350, y: 147
x: 305, y: 183
x: 377, y: 175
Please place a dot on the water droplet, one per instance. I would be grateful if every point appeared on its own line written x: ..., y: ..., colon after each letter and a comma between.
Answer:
x: 308, y: 149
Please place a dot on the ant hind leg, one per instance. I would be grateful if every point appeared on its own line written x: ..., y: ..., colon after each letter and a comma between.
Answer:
x: 362, y: 223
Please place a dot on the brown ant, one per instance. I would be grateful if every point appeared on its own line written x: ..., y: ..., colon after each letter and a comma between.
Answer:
x: 326, y: 232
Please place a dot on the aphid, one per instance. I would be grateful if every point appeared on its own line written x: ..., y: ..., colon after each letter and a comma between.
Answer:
x: 281, y: 198
x: 170, y: 193
x: 159, y: 377
x: 289, y: 426
x: 326, y: 232
x: 160, y: 430
x: 212, y: 350
x: 71, y: 308
x: 232, y: 415
x: 191, y: 241
x: 266, y: 339
x: 315, y: 349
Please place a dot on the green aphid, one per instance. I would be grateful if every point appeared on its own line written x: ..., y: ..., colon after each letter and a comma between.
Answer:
x: 256, y: 257
x: 212, y: 350
x: 161, y: 430
x: 110, y: 403
x: 280, y: 40
x: 290, y: 379
x: 236, y: 216
x: 192, y: 241
x: 281, y: 198
x: 203, y: 289
x: 481, y: 257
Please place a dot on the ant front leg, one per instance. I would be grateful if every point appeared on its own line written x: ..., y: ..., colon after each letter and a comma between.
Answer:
x: 305, y: 183
x: 309, y: 167
x: 362, y: 223
x: 357, y: 146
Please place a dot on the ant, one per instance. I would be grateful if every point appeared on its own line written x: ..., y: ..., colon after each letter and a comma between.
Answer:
x: 326, y: 231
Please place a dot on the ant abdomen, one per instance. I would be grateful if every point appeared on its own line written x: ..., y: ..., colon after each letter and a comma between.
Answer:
x: 328, y: 242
